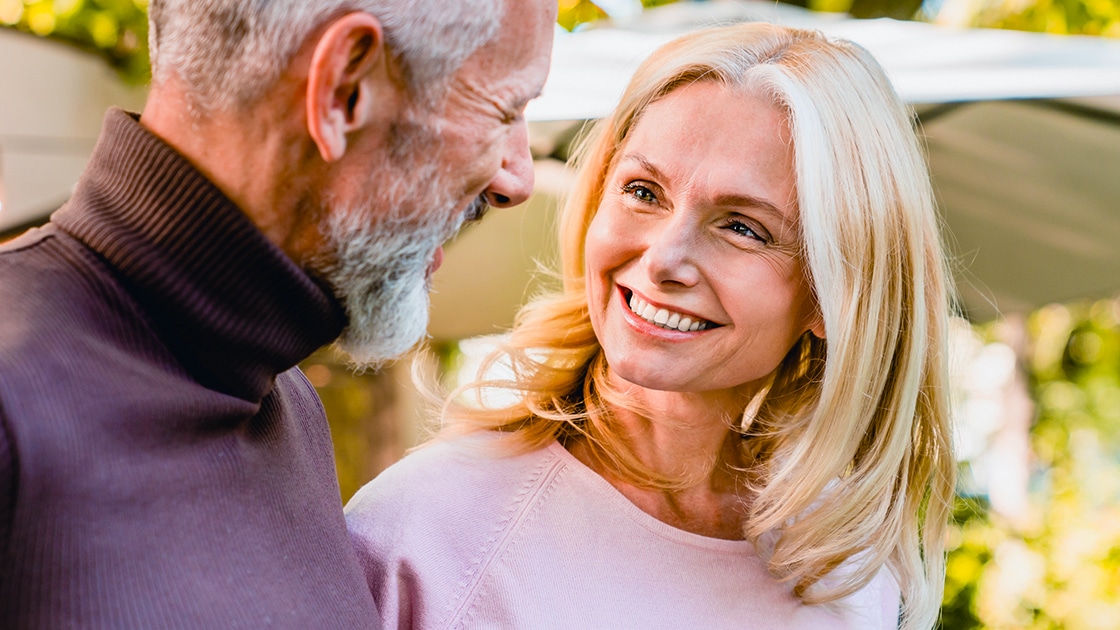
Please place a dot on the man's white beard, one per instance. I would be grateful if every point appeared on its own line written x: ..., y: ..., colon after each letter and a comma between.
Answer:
x: 378, y: 249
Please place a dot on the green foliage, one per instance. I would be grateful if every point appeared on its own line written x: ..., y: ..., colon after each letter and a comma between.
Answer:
x: 575, y: 13
x: 114, y: 29
x: 1084, y: 17
x: 1062, y: 568
x: 970, y: 552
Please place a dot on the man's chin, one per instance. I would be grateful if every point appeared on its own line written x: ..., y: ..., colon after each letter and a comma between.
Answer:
x: 382, y: 334
x: 364, y: 355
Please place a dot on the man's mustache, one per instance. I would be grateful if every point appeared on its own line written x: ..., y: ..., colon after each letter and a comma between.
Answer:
x: 476, y: 210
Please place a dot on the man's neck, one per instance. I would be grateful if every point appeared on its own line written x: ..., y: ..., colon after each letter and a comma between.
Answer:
x: 255, y: 158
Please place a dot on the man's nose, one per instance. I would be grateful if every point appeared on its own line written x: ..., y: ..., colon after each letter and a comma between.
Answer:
x: 513, y: 182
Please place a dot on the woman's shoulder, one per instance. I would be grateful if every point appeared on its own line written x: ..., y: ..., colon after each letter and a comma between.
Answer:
x: 457, y: 463
x: 479, y: 476
x: 424, y: 529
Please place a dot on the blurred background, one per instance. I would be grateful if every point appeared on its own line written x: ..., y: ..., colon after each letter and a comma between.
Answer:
x: 1018, y: 102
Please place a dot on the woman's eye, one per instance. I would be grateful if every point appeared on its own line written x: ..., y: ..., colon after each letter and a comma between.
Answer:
x: 742, y: 229
x: 639, y: 192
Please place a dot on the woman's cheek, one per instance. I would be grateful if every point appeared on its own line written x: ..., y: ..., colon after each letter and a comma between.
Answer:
x: 609, y: 238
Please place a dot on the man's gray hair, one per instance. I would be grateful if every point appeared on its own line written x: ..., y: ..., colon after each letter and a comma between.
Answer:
x: 228, y: 53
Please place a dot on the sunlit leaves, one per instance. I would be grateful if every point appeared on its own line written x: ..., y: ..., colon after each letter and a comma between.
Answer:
x: 104, y: 29
x: 1087, y: 17
x: 830, y: 6
x: 66, y: 8
x: 11, y: 12
x: 576, y: 12
x: 1063, y: 569
x: 40, y: 19
x: 115, y: 29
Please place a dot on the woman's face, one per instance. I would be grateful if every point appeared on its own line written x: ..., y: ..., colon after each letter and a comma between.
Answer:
x: 694, y: 282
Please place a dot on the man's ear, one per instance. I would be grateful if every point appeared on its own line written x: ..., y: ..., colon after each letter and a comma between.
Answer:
x: 346, y: 59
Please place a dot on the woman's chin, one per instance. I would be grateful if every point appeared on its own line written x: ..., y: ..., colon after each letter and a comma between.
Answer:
x: 647, y: 377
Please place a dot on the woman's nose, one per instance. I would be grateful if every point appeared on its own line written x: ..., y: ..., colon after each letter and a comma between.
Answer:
x: 671, y: 252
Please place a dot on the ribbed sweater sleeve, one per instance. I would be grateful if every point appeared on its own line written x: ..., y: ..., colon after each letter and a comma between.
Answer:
x: 7, y: 487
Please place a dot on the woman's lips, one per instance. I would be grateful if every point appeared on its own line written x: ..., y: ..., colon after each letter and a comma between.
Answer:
x: 663, y: 317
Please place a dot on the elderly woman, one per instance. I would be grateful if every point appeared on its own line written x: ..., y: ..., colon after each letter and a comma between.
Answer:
x: 734, y: 414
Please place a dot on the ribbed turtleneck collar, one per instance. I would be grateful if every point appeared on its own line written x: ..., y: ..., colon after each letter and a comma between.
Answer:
x: 232, y: 307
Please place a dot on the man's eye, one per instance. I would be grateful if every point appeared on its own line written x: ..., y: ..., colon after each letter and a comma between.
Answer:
x: 511, y: 115
x: 639, y: 192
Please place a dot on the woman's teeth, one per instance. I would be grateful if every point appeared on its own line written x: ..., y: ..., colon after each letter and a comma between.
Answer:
x: 663, y: 317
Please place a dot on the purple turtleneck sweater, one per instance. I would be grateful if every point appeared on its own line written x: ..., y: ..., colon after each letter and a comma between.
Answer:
x: 163, y: 464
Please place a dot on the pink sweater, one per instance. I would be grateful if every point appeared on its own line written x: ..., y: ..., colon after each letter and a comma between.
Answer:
x: 458, y: 536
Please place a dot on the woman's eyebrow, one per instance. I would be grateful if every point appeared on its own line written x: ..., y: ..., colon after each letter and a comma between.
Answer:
x: 749, y: 201
x: 644, y: 163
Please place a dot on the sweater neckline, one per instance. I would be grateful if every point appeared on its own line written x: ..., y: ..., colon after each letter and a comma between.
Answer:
x: 616, y: 500
x: 228, y: 303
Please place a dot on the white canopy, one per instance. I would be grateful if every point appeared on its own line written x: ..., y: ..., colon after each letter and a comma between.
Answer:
x: 927, y: 63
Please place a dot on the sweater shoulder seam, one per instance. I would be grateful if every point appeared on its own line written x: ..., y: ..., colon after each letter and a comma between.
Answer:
x: 532, y: 490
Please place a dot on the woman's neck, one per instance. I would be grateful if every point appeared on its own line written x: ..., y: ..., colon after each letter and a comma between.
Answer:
x: 688, y: 437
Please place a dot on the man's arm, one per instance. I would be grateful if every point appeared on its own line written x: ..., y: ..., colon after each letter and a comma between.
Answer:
x: 7, y: 488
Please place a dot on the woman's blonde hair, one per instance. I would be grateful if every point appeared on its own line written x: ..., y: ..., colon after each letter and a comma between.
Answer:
x: 851, y: 440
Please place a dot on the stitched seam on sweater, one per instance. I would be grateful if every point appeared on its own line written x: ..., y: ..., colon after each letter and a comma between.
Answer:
x: 496, y: 545
x: 534, y: 510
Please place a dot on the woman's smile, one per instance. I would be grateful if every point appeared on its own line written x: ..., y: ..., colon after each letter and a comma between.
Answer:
x: 663, y: 316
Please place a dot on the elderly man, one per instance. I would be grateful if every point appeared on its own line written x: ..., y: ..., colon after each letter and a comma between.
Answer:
x: 298, y: 165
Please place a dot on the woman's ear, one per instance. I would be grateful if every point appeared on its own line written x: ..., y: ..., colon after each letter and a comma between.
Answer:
x: 816, y: 325
x: 347, y: 67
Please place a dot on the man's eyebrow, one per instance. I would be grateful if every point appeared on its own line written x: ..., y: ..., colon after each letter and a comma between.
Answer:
x: 742, y: 200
